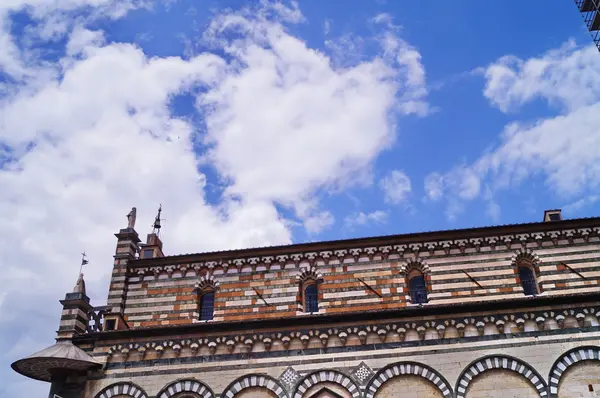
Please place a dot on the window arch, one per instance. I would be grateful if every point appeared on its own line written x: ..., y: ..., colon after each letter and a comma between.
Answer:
x: 417, y: 286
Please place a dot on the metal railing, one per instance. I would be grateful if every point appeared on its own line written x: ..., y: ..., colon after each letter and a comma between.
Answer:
x: 590, y: 11
x: 96, y: 318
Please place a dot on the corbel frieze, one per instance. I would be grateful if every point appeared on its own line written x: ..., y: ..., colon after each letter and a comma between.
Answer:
x: 452, y: 330
x: 357, y: 255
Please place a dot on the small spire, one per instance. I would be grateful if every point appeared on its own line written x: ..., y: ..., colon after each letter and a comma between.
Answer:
x: 80, y: 285
x: 156, y: 225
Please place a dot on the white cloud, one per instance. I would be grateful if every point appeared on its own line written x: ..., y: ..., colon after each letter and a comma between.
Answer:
x: 577, y: 206
x: 492, y: 207
x: 312, y: 125
x: 564, y: 149
x: 395, y: 186
x: 317, y: 222
x: 568, y: 77
x: 434, y: 186
x: 90, y: 136
x: 362, y: 219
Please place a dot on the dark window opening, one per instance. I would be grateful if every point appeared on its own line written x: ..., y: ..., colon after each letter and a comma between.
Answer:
x: 554, y: 217
x: 110, y: 324
x: 148, y: 253
x: 417, y: 288
x: 590, y: 388
x: 311, y: 298
x: 528, y: 282
x: 207, y: 305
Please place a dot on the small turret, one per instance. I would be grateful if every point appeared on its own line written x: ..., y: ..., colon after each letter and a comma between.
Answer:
x: 63, y: 364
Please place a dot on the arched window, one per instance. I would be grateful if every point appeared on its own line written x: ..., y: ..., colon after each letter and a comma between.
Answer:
x: 311, y: 296
x: 416, y: 286
x: 527, y: 278
x: 207, y: 304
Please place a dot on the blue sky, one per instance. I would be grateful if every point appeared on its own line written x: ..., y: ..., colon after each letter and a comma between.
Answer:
x: 262, y: 123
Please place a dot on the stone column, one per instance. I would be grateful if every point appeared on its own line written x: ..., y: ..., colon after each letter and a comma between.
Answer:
x: 127, y: 243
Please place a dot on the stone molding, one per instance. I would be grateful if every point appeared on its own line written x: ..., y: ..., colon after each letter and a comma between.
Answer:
x: 411, y: 330
x: 321, y: 376
x: 408, y: 368
x: 254, y: 380
x: 355, y: 255
x: 587, y: 353
x: 127, y: 389
x: 500, y: 362
x: 199, y: 389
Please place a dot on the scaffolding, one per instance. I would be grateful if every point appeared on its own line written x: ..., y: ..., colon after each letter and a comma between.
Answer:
x: 590, y: 10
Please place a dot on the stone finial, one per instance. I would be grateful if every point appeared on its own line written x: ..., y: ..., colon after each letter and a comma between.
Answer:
x: 80, y: 285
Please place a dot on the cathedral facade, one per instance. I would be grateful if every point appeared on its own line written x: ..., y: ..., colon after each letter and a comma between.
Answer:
x: 503, y: 311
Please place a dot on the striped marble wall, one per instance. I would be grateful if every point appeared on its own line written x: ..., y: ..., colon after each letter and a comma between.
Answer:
x: 457, y: 271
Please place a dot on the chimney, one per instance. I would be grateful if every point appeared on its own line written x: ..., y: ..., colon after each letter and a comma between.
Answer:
x: 552, y: 215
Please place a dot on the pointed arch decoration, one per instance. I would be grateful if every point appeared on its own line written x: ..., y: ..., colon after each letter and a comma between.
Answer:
x: 127, y: 389
x: 254, y: 380
x: 308, y: 273
x: 206, y: 282
x: 422, y: 266
x: 500, y: 362
x: 568, y: 359
x: 528, y: 256
x: 194, y: 386
x: 408, y: 368
x: 323, y: 376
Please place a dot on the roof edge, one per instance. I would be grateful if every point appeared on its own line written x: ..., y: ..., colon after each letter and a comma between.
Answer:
x: 368, y: 241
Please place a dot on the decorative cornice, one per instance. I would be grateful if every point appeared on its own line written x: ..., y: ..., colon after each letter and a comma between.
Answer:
x: 356, y: 252
x: 416, y: 330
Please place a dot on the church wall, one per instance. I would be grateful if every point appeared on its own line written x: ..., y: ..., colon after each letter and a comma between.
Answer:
x: 164, y: 295
x: 449, y: 361
x: 442, y: 351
